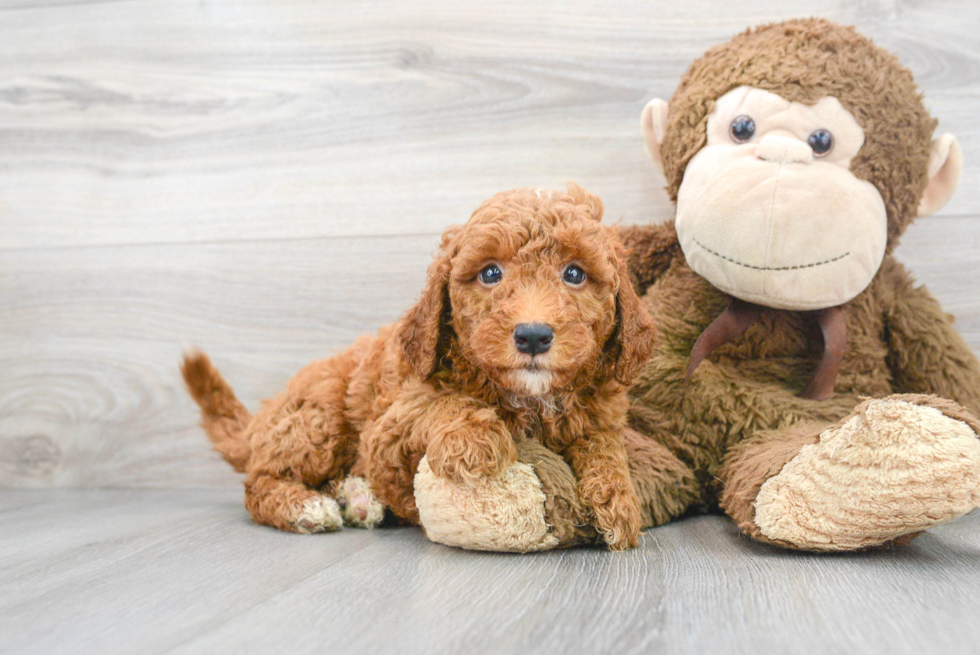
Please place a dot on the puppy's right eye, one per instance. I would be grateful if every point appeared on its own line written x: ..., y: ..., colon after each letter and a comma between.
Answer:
x: 490, y: 275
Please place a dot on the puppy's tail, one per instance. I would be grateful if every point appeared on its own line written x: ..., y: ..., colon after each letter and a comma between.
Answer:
x: 223, y: 417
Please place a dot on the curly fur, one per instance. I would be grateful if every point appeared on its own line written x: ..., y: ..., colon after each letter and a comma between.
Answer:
x: 447, y: 382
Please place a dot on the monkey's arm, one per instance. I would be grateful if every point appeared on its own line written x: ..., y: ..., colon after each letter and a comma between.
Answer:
x: 651, y: 250
x: 926, y: 354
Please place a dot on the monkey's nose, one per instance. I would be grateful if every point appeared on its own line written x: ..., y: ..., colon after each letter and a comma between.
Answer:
x: 533, y: 338
x: 783, y: 150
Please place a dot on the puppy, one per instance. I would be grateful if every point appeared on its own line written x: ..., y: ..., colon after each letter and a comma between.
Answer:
x: 528, y: 328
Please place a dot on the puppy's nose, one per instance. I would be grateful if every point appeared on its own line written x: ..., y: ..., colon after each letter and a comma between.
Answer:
x: 533, y: 338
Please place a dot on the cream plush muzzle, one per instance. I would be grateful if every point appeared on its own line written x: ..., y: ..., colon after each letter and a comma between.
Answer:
x: 768, y: 222
x: 784, y: 235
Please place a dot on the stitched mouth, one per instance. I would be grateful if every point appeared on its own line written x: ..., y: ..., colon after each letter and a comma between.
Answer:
x: 771, y: 268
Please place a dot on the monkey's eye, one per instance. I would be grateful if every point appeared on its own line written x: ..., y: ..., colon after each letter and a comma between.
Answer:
x: 573, y: 276
x: 742, y: 129
x: 490, y: 275
x: 821, y: 141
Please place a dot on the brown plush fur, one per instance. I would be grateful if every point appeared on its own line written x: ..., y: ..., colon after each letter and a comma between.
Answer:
x: 740, y: 418
x: 804, y: 61
x: 447, y: 381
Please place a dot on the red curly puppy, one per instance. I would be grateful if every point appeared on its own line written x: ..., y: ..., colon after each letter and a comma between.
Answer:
x: 528, y: 328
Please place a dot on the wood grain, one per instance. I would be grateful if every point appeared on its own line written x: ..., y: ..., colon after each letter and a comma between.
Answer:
x: 184, y: 571
x: 186, y: 121
x: 267, y: 180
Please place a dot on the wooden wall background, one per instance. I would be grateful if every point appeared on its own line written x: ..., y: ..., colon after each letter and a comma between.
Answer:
x: 268, y: 178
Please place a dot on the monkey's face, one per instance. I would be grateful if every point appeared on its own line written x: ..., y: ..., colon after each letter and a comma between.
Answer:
x: 769, y: 211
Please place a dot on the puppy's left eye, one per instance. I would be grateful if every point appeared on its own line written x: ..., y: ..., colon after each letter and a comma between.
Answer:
x: 573, y: 275
x: 490, y: 275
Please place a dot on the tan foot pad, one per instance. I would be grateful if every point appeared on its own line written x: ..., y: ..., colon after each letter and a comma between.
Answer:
x: 504, y: 514
x: 893, y: 469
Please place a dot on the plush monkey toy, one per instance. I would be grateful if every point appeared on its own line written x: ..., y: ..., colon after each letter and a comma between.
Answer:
x: 801, y: 381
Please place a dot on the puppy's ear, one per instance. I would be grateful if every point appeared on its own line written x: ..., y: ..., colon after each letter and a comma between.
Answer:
x: 421, y: 328
x: 580, y: 196
x: 632, y: 342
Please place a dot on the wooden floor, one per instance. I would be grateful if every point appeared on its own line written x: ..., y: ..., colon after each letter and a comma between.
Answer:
x: 267, y: 179
x: 184, y: 571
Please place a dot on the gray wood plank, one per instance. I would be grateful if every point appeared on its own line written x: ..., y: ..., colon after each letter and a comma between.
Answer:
x: 268, y: 180
x: 185, y: 571
x: 185, y: 121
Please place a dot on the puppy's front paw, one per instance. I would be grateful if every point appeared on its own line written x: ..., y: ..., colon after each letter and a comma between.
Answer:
x: 472, y: 446
x: 617, y: 512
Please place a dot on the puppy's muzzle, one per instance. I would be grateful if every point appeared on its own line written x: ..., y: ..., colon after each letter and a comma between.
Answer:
x: 533, y: 338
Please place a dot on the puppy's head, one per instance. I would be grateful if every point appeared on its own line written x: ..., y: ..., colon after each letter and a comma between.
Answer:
x: 534, y: 290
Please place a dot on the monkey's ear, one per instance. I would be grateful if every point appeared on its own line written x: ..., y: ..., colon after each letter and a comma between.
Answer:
x: 653, y: 121
x: 945, y: 167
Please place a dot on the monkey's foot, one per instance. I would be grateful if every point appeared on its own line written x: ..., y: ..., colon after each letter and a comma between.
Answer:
x: 318, y: 514
x: 533, y: 505
x: 895, y: 467
x: 360, y: 508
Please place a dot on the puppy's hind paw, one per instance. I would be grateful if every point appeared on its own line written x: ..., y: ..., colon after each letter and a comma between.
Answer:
x: 360, y: 508
x: 318, y: 514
